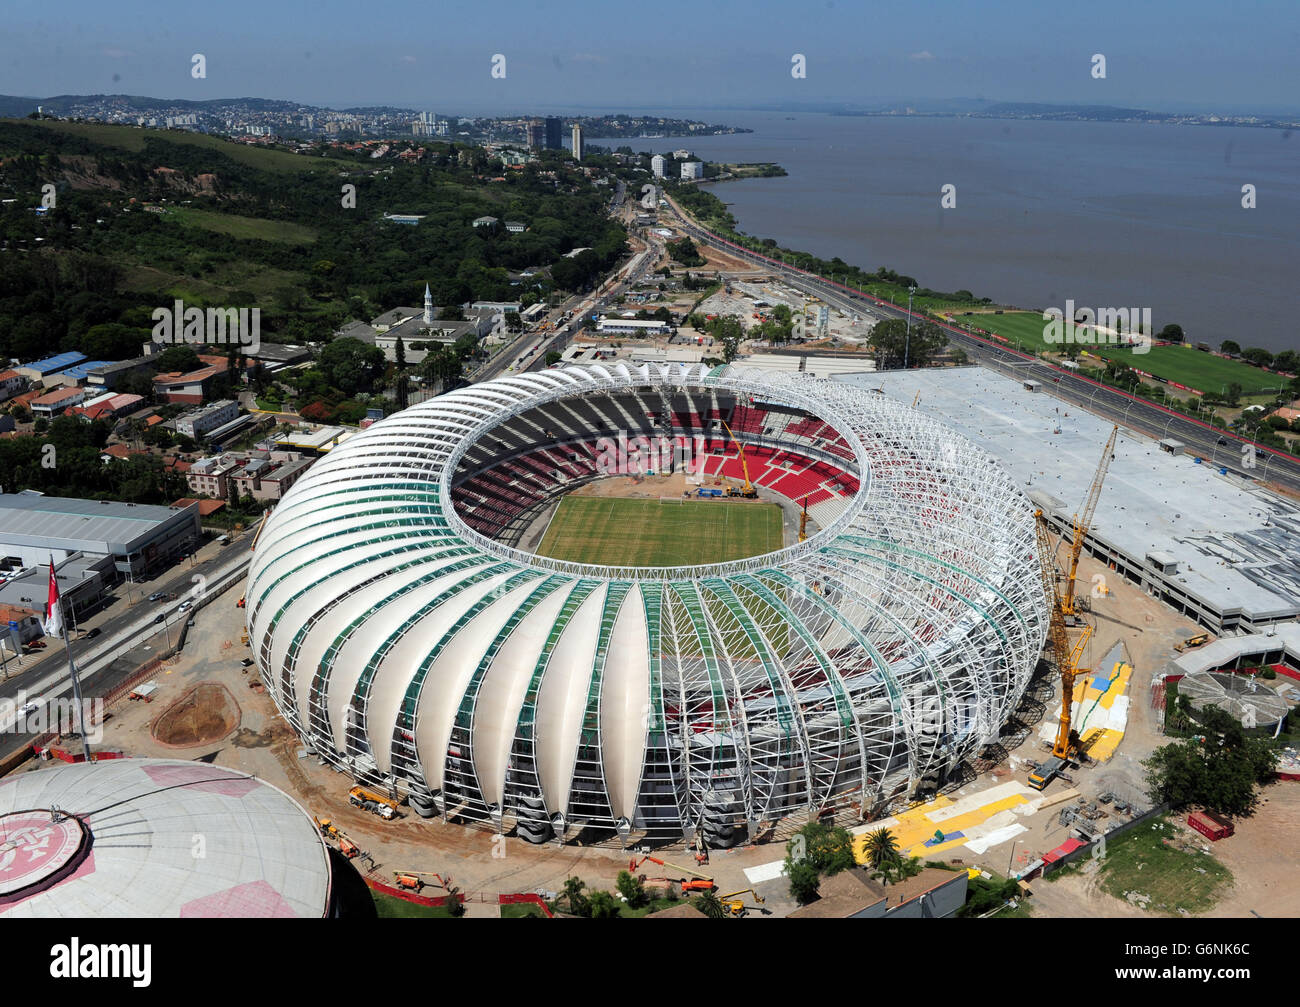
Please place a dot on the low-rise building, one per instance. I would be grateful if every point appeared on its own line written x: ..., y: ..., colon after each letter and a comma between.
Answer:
x: 199, y: 422
x: 108, y: 406
x: 74, y: 375
x: 11, y: 383
x: 209, y: 475
x: 107, y: 376
x: 933, y: 894
x: 485, y: 221
x: 54, y: 403
x: 38, y: 370
x: 632, y: 327
x: 691, y: 170
x: 138, y: 537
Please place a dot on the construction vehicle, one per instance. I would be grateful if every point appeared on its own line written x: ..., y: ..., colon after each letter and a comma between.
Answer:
x: 697, y: 875
x: 1192, y: 641
x: 1069, y: 604
x: 331, y: 831
x: 261, y: 526
x: 735, y: 905
x: 803, y: 522
x: 411, y: 880
x: 376, y: 804
x: 1065, y: 658
x: 747, y: 491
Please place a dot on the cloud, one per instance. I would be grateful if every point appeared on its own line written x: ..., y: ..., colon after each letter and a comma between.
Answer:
x: 924, y: 54
x: 408, y: 59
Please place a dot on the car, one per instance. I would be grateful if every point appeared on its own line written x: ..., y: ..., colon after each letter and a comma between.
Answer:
x: 160, y: 617
x: 29, y: 707
x: 157, y: 595
x: 246, y: 662
x: 185, y: 606
x: 91, y: 634
x: 1222, y: 440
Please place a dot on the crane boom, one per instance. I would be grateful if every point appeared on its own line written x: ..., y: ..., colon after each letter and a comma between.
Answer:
x: 749, y: 490
x: 1083, y: 520
x: 1066, y: 657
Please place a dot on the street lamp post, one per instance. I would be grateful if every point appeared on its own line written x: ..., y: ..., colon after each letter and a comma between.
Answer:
x: 907, y: 345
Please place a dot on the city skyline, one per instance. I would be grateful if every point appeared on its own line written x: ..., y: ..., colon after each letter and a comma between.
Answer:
x: 731, y: 57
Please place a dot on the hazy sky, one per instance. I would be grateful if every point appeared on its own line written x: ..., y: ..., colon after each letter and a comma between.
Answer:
x: 1161, y: 55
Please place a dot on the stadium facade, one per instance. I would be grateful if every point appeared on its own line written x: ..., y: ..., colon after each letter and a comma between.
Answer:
x: 417, y: 650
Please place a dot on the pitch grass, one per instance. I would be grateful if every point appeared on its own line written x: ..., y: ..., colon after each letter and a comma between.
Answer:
x: 1140, y: 861
x: 1184, y: 364
x: 631, y: 532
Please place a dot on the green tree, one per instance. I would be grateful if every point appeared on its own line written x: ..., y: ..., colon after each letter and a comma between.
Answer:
x: 234, y: 492
x: 882, y: 848
x: 579, y: 904
x: 180, y: 357
x: 350, y: 365
x: 710, y: 905
x: 894, y: 346
x: 804, y: 882
x: 1219, y: 767
x: 1171, y: 333
x: 1230, y: 346
x: 632, y: 889
x: 603, y: 906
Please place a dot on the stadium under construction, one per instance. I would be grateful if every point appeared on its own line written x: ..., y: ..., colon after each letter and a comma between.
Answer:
x: 414, y: 646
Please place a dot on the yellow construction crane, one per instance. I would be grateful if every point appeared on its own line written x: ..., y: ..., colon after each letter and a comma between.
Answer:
x: 1082, y: 521
x: 1065, y: 657
x: 749, y: 493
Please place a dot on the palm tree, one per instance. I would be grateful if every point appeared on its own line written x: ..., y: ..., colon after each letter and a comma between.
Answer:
x: 882, y: 849
x: 710, y: 905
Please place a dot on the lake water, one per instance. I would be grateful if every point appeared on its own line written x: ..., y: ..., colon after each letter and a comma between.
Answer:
x: 1105, y: 214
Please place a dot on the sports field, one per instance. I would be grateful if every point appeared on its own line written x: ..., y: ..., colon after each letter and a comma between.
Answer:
x: 619, y: 532
x: 1184, y: 364
x: 1189, y: 366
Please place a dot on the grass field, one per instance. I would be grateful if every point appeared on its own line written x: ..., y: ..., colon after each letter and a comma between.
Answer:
x: 1023, y: 328
x: 1202, y: 371
x: 243, y: 227
x: 620, y: 532
x: 1140, y: 861
x: 1184, y: 364
x: 389, y: 907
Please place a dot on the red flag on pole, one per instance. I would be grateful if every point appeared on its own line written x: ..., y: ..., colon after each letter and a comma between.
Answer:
x: 53, y: 610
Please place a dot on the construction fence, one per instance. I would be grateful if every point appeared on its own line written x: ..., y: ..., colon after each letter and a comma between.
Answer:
x: 1086, y: 850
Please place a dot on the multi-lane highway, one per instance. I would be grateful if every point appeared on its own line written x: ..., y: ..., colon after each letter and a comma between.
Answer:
x: 1223, y: 448
x: 98, y: 667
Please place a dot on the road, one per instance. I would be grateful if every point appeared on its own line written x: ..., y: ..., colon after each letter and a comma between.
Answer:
x: 122, y: 628
x: 1239, y: 455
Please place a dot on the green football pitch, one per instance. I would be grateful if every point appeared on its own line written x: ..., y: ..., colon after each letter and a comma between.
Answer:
x: 1184, y: 364
x: 633, y: 532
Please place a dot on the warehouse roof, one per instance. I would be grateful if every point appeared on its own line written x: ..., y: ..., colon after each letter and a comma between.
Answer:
x: 30, y: 519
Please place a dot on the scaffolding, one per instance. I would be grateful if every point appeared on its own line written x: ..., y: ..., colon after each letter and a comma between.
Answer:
x: 713, y: 701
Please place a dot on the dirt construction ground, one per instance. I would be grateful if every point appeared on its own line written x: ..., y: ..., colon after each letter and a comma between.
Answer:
x: 1263, y: 856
